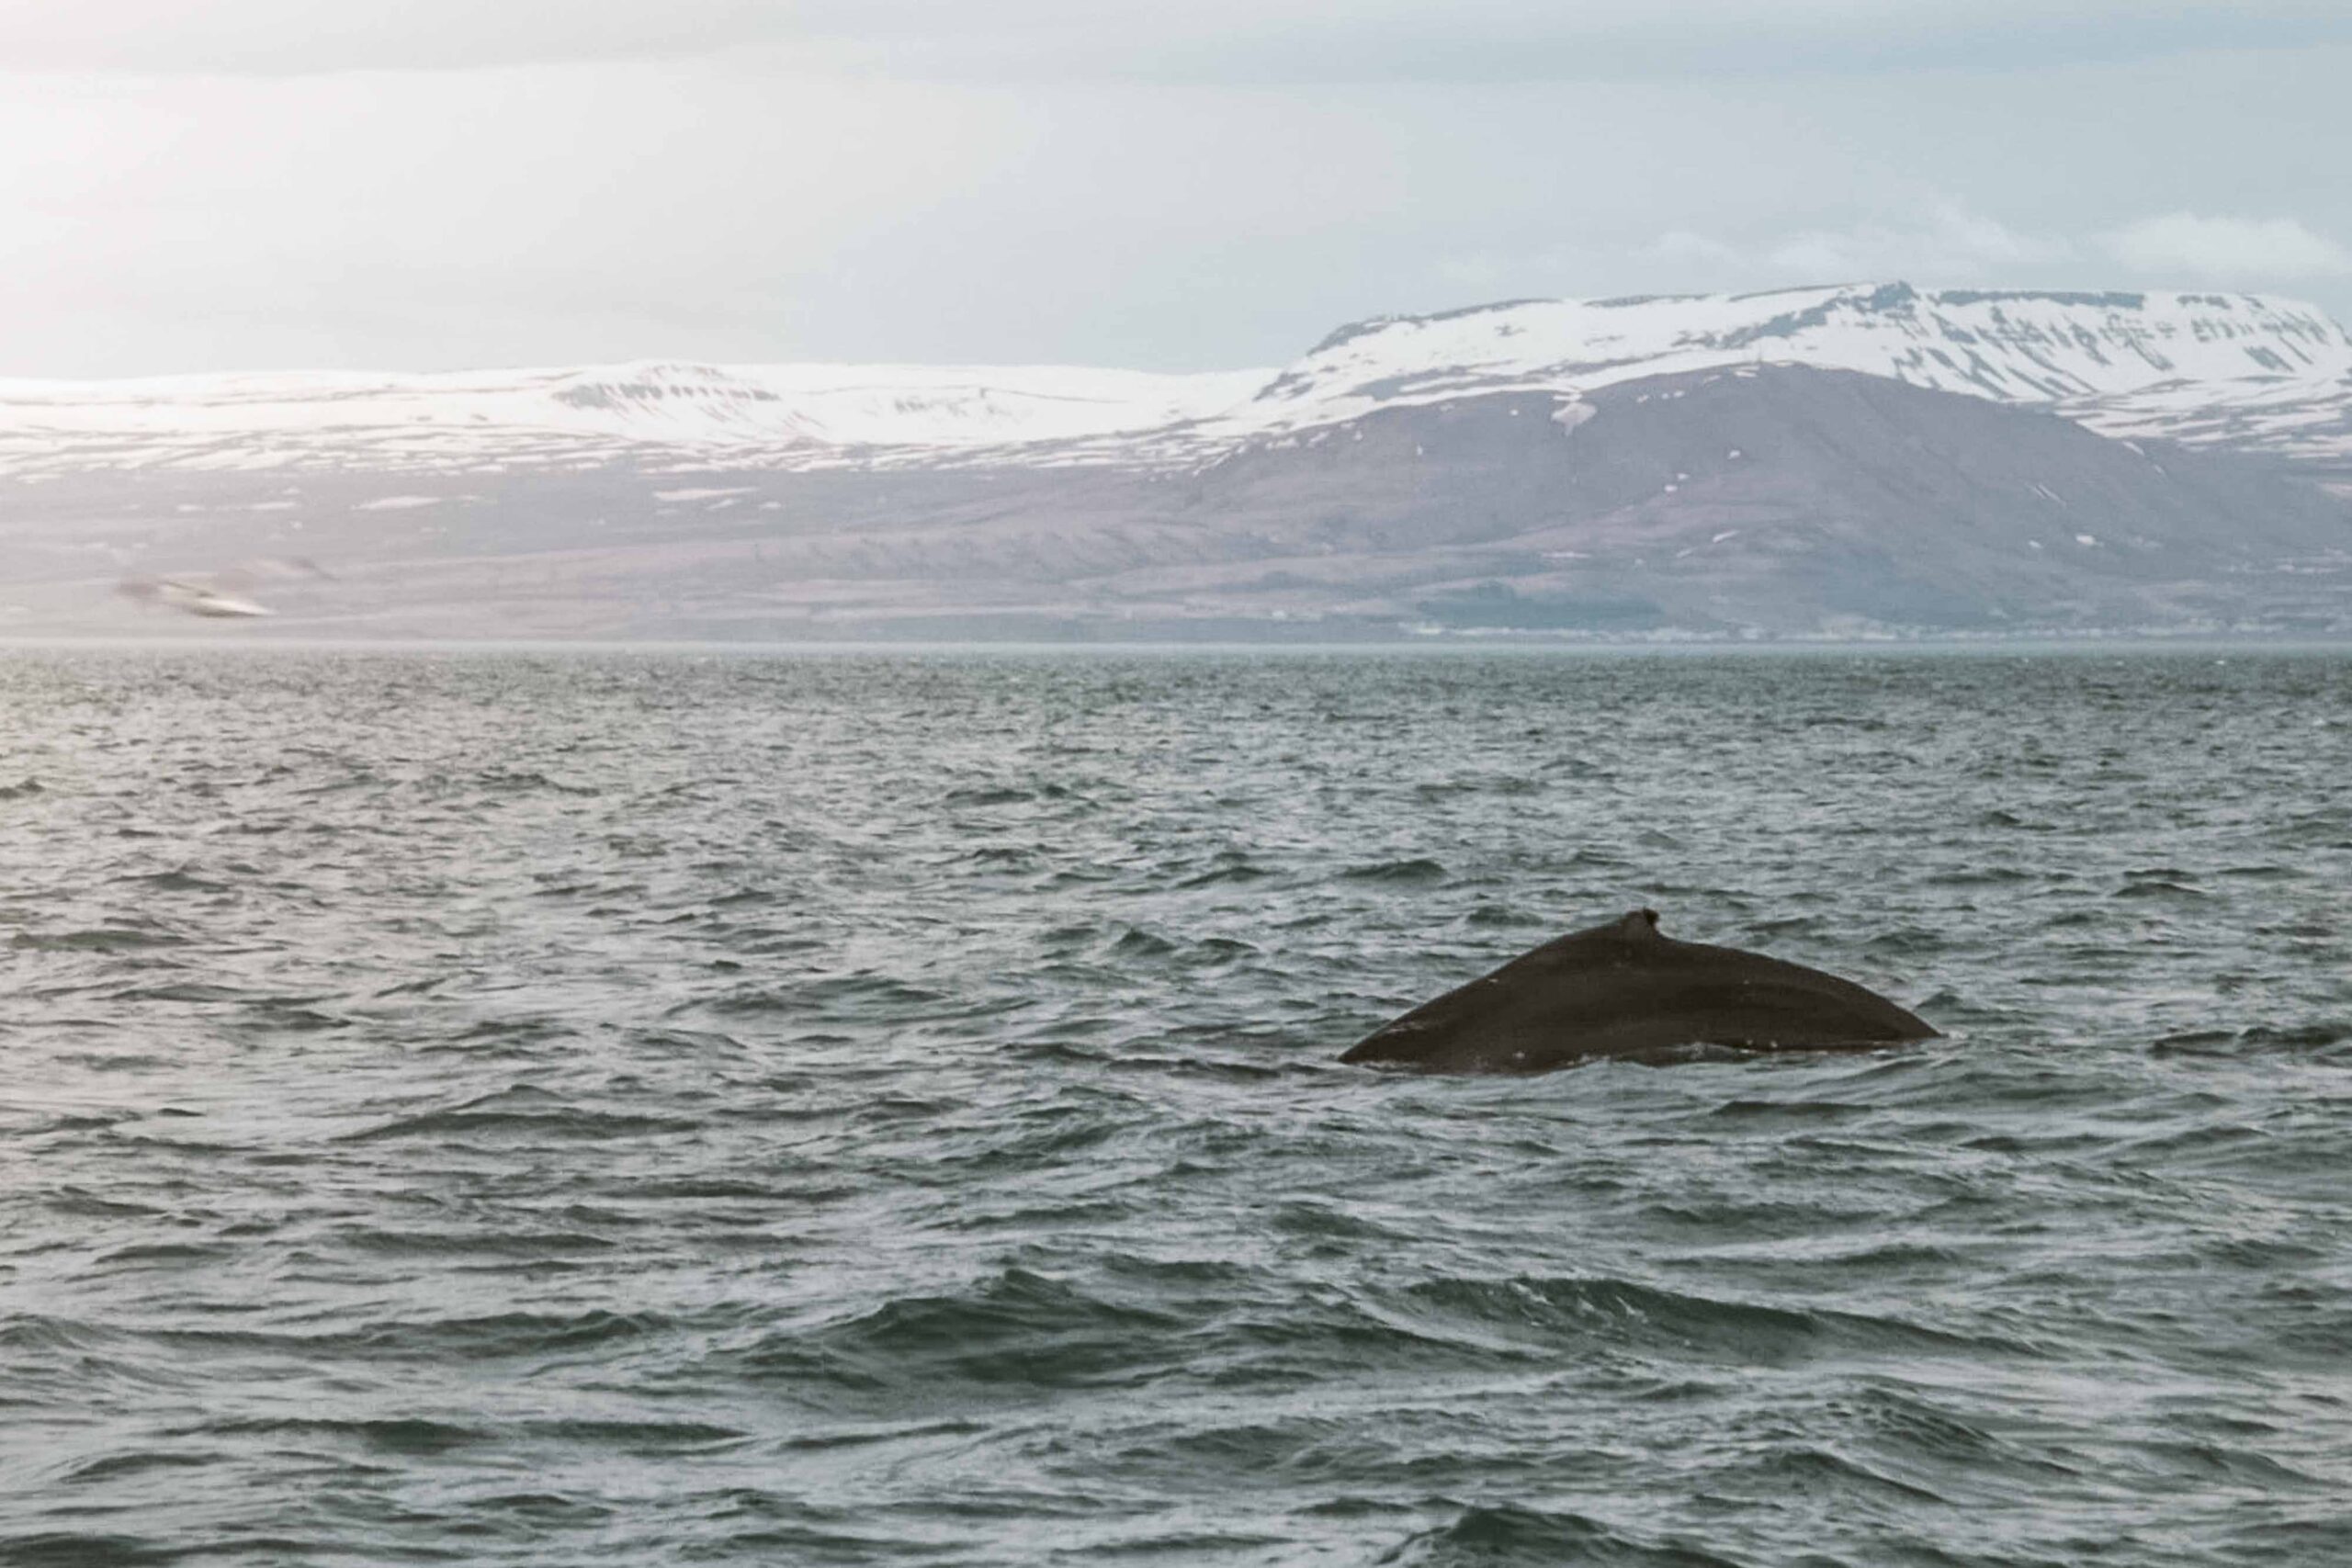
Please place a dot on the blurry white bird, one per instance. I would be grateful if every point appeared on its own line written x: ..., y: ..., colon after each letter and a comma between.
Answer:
x: 210, y: 595
x: 195, y: 598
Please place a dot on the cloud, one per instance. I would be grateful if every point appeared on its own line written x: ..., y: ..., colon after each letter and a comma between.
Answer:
x: 1940, y: 242
x: 1946, y: 242
x: 1683, y: 247
x: 2227, y: 247
x: 1260, y: 41
x: 298, y: 38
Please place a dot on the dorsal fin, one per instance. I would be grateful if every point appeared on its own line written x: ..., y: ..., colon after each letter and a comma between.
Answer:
x: 1639, y: 925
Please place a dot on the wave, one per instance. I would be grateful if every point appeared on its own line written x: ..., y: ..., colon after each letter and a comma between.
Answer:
x: 1417, y: 871
x: 1540, y: 1310
x: 1501, y: 1533
x: 103, y: 938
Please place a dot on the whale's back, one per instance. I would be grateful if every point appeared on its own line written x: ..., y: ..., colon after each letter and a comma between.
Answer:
x: 1623, y: 989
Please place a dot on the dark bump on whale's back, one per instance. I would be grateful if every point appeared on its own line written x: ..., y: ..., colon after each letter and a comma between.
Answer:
x: 1627, y: 989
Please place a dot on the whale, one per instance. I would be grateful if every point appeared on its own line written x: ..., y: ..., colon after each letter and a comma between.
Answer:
x: 1626, y: 990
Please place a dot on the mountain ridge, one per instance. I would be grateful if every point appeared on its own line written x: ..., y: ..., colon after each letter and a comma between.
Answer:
x: 2241, y: 370
x: 1846, y: 461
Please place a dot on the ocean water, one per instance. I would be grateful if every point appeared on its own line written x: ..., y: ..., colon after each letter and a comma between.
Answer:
x: 642, y: 1108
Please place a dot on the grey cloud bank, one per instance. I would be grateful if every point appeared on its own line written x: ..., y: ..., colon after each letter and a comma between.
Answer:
x: 1210, y: 40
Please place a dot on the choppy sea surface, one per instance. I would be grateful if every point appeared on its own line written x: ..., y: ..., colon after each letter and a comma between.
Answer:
x: 638, y: 1108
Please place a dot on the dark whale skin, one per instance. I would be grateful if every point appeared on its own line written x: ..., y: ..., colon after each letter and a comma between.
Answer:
x: 1623, y: 990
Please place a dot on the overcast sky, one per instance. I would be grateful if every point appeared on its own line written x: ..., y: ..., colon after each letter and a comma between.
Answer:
x: 428, y: 184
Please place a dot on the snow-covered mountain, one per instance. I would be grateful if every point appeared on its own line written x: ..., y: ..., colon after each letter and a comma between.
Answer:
x: 2235, y: 370
x: 1848, y: 461
x: 480, y: 422
x: 2231, y: 368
